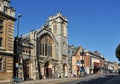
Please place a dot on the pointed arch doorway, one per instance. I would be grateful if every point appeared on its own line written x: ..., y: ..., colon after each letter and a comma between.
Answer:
x: 26, y: 69
x: 65, y: 70
x: 48, y: 69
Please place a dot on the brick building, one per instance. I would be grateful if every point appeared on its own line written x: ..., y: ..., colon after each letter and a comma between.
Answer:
x: 86, y: 61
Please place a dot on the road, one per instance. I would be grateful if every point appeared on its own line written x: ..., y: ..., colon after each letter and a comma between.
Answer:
x: 94, y: 80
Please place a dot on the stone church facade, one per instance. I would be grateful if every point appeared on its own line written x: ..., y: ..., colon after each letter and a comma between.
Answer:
x: 45, y: 51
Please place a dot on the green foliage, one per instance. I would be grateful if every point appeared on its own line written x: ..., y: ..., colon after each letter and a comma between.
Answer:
x: 117, y: 52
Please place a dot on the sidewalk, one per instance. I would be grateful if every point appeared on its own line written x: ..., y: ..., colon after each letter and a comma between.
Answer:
x: 42, y: 81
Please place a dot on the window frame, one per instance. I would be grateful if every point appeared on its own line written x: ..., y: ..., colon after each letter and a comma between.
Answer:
x: 1, y: 24
x: 54, y: 29
x: 1, y: 64
x: 0, y: 42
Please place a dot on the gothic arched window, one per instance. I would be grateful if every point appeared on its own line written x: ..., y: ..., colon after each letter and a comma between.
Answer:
x: 45, y: 45
x: 55, y: 29
x: 62, y: 29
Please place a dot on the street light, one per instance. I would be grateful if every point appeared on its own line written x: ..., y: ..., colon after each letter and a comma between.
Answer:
x: 16, y: 49
x: 20, y: 15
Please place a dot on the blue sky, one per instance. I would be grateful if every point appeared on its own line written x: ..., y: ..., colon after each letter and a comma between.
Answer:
x: 94, y: 24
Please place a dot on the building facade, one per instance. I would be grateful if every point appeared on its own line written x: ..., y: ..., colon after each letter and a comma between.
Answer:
x: 116, y: 66
x: 86, y: 61
x: 110, y: 66
x: 94, y: 62
x: 27, y: 62
x: 71, y: 52
x: 45, y: 51
x: 78, y: 63
x: 7, y: 18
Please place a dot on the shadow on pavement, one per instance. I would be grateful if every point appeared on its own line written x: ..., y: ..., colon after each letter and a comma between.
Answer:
x: 99, y: 80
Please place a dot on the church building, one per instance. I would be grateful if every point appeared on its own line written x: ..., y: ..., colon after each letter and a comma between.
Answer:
x: 45, y: 51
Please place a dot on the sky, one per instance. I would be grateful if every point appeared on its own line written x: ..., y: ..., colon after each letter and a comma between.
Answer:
x: 92, y: 24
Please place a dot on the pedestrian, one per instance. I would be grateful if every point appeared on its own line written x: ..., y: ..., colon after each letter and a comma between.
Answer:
x: 58, y: 76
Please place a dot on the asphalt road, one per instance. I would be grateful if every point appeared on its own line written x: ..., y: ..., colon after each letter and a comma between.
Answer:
x: 91, y: 79
x: 95, y: 80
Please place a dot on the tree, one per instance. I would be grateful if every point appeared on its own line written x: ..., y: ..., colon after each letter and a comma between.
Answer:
x: 117, y: 52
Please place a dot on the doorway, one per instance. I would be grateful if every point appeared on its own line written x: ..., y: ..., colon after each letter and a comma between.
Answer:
x: 64, y: 70
x: 47, y: 70
x: 26, y: 69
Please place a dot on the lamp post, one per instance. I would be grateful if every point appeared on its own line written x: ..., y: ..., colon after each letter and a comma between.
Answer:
x: 16, y: 51
x: 20, y: 15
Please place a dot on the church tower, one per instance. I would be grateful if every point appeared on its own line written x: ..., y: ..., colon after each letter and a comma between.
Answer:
x: 58, y: 25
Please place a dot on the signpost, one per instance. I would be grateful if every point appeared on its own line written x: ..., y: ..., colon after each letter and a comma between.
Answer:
x: 16, y: 65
